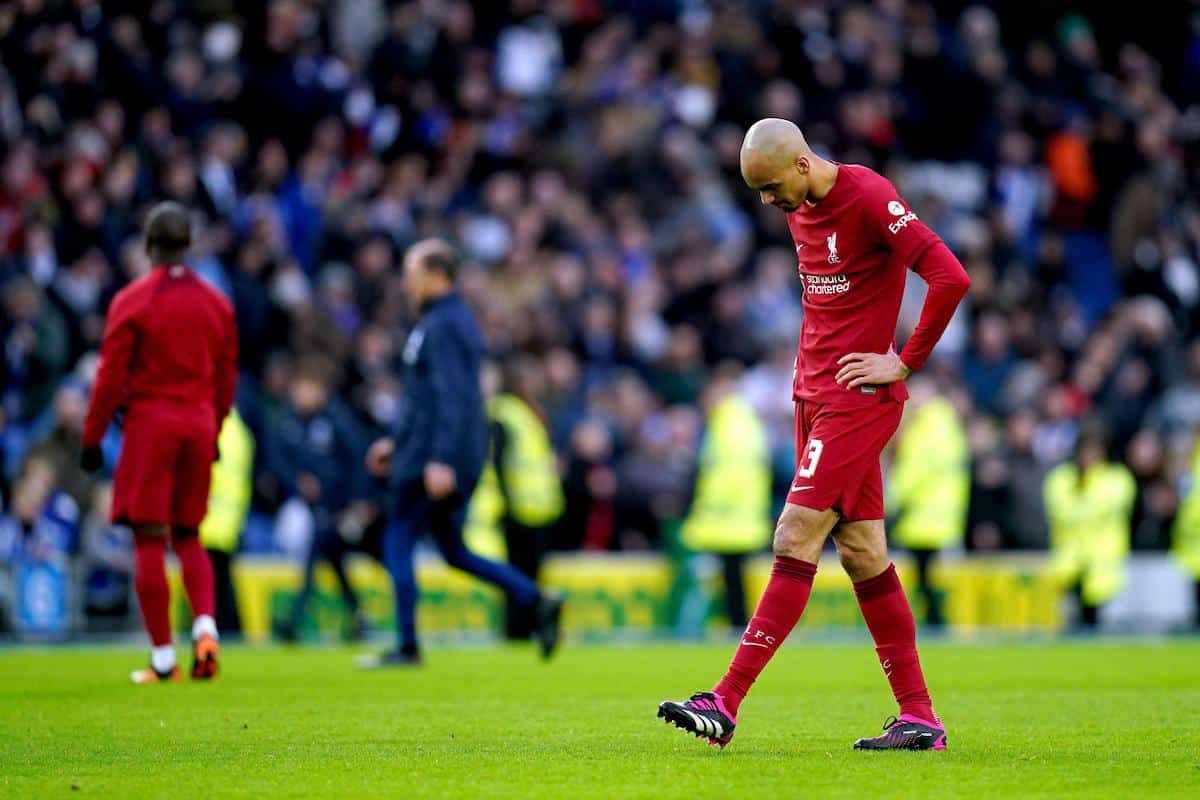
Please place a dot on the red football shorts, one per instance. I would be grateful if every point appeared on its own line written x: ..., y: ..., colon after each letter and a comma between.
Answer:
x: 837, y: 457
x: 163, y: 475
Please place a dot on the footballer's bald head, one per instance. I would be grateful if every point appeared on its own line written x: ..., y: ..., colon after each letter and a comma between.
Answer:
x: 772, y: 144
x: 777, y: 161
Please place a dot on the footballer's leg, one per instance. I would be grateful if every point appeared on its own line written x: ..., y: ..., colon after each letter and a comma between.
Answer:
x: 862, y: 548
x: 193, y: 474
x: 142, y: 488
x: 799, y: 536
x: 154, y: 598
x: 200, y: 586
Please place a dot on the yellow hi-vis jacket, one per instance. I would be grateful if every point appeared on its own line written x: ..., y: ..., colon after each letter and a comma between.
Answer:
x: 930, y: 480
x: 731, y: 510
x: 1185, y: 535
x: 535, y: 496
x: 232, y: 476
x: 1090, y: 526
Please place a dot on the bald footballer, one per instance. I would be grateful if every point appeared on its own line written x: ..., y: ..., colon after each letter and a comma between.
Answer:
x: 855, y: 240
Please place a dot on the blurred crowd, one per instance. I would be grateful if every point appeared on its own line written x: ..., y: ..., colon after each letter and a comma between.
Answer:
x: 584, y: 156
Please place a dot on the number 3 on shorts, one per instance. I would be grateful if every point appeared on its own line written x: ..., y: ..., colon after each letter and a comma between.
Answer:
x: 811, y: 457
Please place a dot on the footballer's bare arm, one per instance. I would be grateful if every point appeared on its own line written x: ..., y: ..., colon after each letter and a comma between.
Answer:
x: 858, y: 369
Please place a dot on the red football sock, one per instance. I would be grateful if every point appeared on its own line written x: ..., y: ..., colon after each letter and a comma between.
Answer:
x: 150, y: 581
x: 890, y: 620
x: 778, y: 610
x: 197, y: 571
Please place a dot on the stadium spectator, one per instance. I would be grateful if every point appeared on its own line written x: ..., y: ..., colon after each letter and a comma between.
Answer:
x: 106, y: 561
x: 40, y: 528
x: 60, y: 445
x: 1157, y: 502
x: 36, y: 349
x: 315, y: 448
x: 43, y: 522
x: 1025, y: 521
x: 590, y: 485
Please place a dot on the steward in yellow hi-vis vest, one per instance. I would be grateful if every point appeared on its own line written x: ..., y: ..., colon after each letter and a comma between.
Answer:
x: 519, y: 497
x: 1185, y: 535
x: 730, y: 514
x: 520, y: 482
x: 929, y: 484
x: 1089, y: 505
x: 731, y: 508
x: 228, y: 504
x: 930, y: 479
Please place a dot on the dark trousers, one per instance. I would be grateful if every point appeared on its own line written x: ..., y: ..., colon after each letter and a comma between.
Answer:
x: 1196, y: 590
x: 326, y: 546
x: 228, y: 620
x: 1089, y: 615
x: 933, y: 604
x: 415, y: 514
x: 526, y: 548
x: 735, y: 588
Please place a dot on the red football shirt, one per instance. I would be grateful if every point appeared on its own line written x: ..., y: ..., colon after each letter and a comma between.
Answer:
x: 168, y: 357
x: 854, y: 247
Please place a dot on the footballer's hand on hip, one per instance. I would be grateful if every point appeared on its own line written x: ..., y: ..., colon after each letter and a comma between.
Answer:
x: 379, y: 457
x: 440, y: 480
x: 858, y: 369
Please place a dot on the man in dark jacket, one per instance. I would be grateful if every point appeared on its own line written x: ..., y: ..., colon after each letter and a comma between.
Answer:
x: 437, y: 453
x: 316, y: 450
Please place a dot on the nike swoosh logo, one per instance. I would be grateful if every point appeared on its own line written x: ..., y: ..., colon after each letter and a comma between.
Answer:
x: 753, y: 644
x: 801, y: 488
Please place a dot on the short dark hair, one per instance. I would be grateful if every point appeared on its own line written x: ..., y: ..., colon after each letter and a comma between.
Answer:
x: 516, y: 371
x: 168, y: 232
x: 1092, y: 433
x: 440, y: 256
x: 317, y: 368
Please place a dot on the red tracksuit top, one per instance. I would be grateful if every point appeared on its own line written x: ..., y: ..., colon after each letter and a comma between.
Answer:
x: 168, y: 357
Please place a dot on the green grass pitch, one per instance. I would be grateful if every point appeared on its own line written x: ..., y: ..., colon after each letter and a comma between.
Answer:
x: 1074, y: 719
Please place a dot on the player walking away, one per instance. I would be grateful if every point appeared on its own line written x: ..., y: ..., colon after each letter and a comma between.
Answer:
x: 438, y: 451
x: 168, y: 362
x: 854, y: 238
